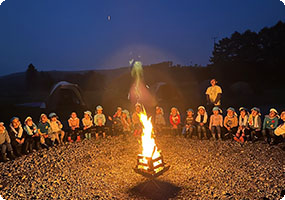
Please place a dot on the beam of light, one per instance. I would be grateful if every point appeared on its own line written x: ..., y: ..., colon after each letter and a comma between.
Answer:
x: 137, y: 74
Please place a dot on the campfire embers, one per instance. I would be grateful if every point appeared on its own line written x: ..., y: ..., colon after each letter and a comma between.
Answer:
x: 150, y: 163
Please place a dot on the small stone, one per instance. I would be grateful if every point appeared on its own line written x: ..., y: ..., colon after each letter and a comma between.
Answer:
x: 261, y: 178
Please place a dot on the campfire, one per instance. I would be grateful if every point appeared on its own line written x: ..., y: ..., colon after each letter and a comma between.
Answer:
x: 150, y: 162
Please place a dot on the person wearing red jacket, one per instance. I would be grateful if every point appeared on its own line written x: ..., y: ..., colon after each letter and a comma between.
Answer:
x: 175, y: 121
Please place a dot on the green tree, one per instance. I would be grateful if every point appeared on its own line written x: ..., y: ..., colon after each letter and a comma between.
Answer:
x: 31, y: 77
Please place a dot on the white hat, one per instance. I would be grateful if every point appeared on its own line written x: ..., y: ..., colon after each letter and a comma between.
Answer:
x: 201, y: 107
x: 88, y: 113
x: 273, y: 110
x: 28, y: 118
x: 99, y: 108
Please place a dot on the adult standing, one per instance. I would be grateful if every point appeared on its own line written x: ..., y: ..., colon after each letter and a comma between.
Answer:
x: 213, y: 95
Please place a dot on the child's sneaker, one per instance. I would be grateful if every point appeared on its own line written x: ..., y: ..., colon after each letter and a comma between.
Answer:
x: 78, y: 139
x: 69, y: 139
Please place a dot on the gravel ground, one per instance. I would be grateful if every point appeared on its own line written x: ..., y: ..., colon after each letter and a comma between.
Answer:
x: 103, y: 170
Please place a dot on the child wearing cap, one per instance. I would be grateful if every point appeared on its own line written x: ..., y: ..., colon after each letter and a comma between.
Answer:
x: 175, y: 121
x: 56, y: 128
x: 5, y: 144
x: 231, y: 122
x: 32, y: 136
x: 126, y: 122
x: 87, y: 122
x: 46, y: 137
x: 201, y: 120
x: 117, y: 127
x: 270, y: 123
x: 216, y: 123
x: 254, y: 122
x: 136, y: 120
x: 73, y: 123
x: 99, y: 121
x: 243, y: 130
x: 280, y: 130
x: 159, y: 121
x: 17, y: 136
x: 189, y: 128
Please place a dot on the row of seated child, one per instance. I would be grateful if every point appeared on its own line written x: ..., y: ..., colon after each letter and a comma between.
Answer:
x: 246, y: 126
x: 24, y: 139
x: 49, y: 131
x: 75, y: 133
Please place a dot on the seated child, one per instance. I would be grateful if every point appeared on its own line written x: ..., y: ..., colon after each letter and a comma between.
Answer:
x: 73, y: 123
x: 5, y: 144
x: 87, y: 122
x: 231, y: 122
x: 243, y: 130
x: 189, y: 128
x: 56, y: 128
x: 32, y: 136
x: 99, y: 121
x: 201, y: 120
x: 117, y: 123
x: 126, y: 122
x: 17, y: 136
x: 136, y: 120
x: 216, y: 123
x: 254, y: 122
x: 46, y: 138
x: 280, y: 130
x: 175, y: 121
x: 159, y: 121
x: 270, y: 123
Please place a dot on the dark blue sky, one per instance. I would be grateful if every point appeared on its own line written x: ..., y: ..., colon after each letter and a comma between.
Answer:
x: 77, y: 35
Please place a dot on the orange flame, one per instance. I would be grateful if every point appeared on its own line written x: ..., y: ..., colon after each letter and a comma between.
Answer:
x: 149, y: 148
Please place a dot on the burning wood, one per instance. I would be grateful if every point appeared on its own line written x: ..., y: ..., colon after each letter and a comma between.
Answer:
x: 150, y: 163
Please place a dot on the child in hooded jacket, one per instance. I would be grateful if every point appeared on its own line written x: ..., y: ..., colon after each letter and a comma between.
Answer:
x: 159, y: 121
x: 126, y: 122
x: 137, y: 125
x: 216, y: 123
x: 254, y: 122
x: 56, y: 128
x: 231, y: 122
x: 201, y: 121
x: 73, y: 123
x: 189, y: 128
x: 270, y: 123
x: 99, y: 121
x: 17, y: 136
x: 32, y: 137
x: 46, y: 137
x: 87, y: 122
x: 175, y: 120
x: 243, y: 129
x: 5, y: 144
x: 116, y: 120
x: 279, y: 132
